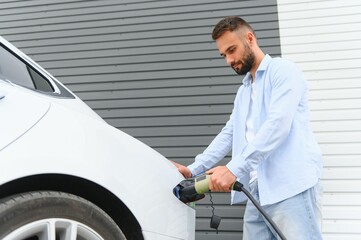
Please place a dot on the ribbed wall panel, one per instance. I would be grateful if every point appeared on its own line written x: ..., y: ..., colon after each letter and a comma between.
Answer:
x: 324, y: 37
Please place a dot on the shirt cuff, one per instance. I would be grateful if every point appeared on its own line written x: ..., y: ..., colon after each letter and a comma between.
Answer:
x: 196, y: 168
x: 235, y: 168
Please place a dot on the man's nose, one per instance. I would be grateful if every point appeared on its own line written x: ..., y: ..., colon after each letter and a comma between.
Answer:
x: 229, y: 60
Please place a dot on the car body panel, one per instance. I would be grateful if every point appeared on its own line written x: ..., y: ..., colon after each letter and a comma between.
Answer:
x: 64, y: 136
x: 15, y: 106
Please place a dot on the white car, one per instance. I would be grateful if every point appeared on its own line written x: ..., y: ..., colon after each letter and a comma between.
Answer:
x: 66, y: 174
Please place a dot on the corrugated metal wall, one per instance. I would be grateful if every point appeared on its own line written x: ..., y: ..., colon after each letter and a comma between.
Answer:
x: 147, y: 67
x: 324, y: 38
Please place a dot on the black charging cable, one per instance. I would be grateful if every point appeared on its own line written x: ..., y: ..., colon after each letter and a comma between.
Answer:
x: 239, y: 187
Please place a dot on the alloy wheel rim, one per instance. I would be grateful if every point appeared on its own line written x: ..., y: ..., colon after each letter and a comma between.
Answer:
x: 54, y: 229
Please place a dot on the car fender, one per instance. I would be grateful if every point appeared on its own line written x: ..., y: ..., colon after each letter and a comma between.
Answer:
x: 91, y: 149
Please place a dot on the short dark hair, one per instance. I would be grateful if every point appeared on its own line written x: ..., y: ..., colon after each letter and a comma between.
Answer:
x: 230, y: 24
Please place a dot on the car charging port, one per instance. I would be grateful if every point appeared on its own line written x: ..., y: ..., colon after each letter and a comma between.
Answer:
x: 181, y: 191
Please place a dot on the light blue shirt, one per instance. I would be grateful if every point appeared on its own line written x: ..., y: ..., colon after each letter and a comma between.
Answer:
x: 283, y: 151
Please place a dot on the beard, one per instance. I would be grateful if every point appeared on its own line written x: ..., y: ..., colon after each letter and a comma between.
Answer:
x: 247, y: 62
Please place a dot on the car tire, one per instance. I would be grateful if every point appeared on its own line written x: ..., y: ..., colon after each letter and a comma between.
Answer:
x: 49, y: 215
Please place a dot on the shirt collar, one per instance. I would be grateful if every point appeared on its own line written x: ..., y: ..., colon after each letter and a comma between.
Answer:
x: 262, y: 67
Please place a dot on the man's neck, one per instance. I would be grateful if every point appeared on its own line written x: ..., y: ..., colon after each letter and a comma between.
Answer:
x: 258, y: 59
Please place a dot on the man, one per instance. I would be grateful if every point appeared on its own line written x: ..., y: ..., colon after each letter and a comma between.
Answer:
x: 274, y: 152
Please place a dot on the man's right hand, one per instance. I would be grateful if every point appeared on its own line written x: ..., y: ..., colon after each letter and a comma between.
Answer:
x: 183, y: 170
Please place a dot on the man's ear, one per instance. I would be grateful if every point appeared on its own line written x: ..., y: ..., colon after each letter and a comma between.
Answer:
x: 251, y: 38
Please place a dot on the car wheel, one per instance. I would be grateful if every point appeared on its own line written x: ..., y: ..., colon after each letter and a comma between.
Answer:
x: 47, y: 215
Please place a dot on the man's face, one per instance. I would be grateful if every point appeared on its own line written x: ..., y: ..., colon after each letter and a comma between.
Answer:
x: 236, y: 51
